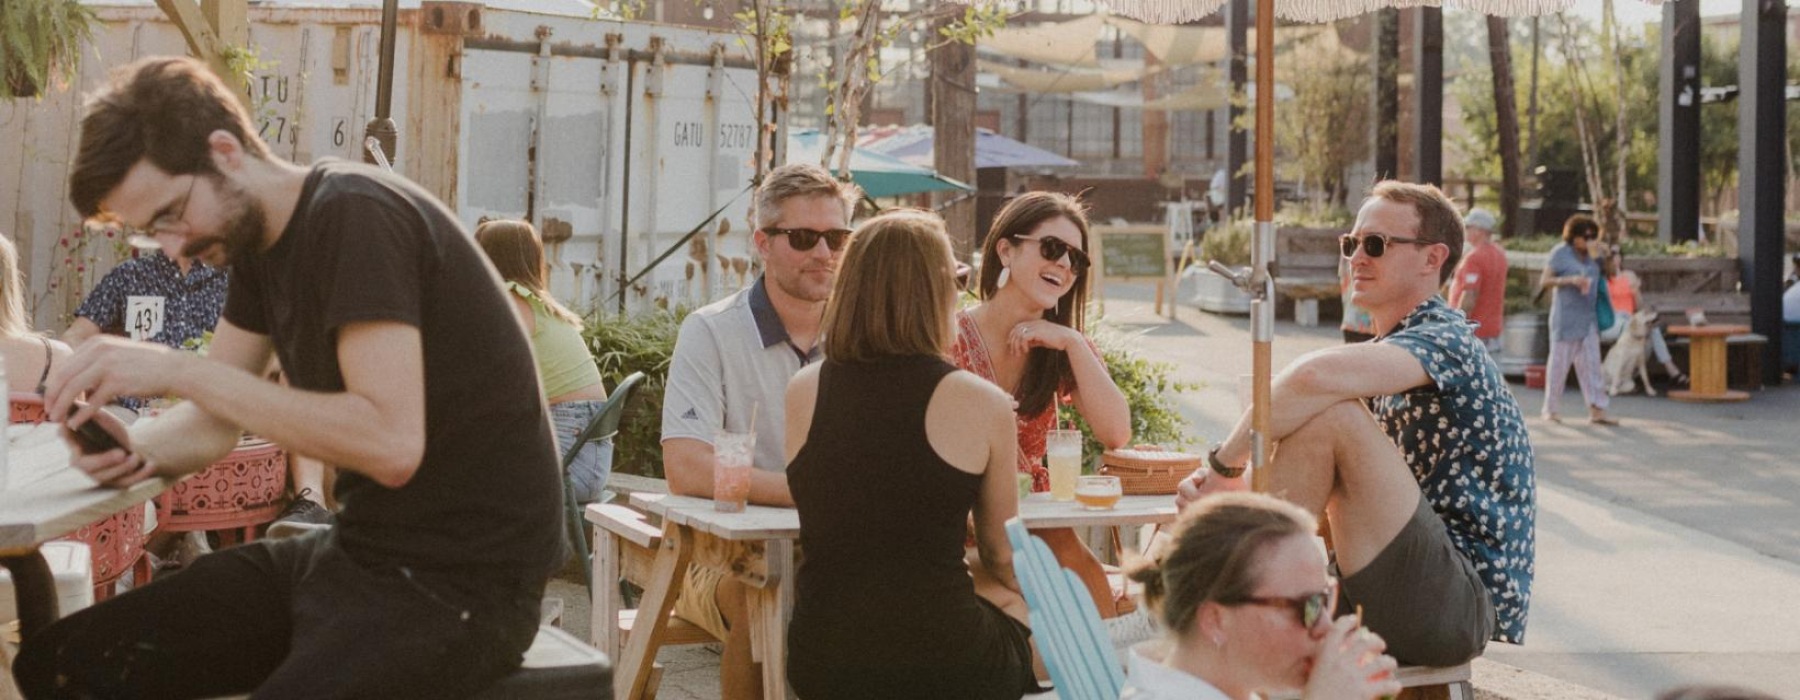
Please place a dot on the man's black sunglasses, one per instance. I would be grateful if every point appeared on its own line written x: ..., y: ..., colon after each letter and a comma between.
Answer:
x: 1375, y: 244
x: 803, y: 239
x: 1053, y: 249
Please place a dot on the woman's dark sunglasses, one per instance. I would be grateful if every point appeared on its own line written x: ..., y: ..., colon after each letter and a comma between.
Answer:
x: 803, y: 239
x: 1309, y: 609
x: 1375, y: 244
x: 1053, y: 249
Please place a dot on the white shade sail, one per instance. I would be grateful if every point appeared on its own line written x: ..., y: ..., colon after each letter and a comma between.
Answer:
x: 1177, y: 11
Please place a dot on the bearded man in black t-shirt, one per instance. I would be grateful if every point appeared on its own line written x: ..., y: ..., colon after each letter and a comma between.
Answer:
x: 383, y: 313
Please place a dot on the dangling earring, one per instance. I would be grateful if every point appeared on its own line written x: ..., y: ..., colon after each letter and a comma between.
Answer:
x: 1005, y: 276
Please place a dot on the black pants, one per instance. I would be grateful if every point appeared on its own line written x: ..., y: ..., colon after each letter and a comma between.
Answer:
x: 286, y: 619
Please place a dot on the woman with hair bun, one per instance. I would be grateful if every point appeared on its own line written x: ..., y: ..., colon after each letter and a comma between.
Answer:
x: 1242, y: 592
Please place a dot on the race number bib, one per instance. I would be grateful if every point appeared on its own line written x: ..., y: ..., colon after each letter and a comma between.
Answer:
x: 143, y: 317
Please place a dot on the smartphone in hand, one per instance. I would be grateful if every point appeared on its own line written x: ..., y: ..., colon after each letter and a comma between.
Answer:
x: 100, y: 433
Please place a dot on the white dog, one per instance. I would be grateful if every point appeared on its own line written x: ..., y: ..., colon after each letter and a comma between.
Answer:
x: 1628, y: 355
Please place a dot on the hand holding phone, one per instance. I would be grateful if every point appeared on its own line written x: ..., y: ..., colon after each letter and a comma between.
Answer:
x: 99, y: 433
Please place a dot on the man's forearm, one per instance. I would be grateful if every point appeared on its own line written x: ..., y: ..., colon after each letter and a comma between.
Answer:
x: 342, y: 429
x: 183, y: 440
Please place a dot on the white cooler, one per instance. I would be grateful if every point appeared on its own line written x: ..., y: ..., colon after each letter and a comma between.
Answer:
x: 72, y: 567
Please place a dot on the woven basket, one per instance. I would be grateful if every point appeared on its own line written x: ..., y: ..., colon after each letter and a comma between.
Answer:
x: 1148, y: 471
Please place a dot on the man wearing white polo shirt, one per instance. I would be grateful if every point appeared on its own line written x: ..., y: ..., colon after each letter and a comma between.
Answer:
x: 733, y: 360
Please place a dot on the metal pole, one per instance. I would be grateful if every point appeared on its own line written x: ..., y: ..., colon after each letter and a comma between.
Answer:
x: 382, y: 128
x: 1262, y: 246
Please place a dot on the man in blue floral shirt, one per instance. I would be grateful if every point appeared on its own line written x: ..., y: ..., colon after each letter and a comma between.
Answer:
x: 1411, y: 445
x: 162, y: 298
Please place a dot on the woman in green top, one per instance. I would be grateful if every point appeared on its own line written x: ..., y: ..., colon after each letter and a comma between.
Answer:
x: 566, y: 370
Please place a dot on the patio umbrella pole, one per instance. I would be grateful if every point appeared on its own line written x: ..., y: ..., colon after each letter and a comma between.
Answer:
x: 1262, y: 244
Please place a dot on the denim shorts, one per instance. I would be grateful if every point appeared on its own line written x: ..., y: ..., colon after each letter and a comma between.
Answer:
x: 590, y: 469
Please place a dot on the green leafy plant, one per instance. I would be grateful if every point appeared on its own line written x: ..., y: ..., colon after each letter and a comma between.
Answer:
x: 1149, y: 393
x: 40, y: 40
x: 641, y: 343
x: 1228, y: 243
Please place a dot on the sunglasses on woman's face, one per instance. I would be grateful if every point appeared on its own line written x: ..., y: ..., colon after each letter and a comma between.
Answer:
x: 1053, y: 249
x: 803, y: 239
x: 1309, y: 609
x: 1375, y: 244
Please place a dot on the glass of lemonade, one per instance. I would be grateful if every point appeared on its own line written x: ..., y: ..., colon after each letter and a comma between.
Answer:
x: 1063, y: 452
x: 1098, y: 492
x: 731, y: 470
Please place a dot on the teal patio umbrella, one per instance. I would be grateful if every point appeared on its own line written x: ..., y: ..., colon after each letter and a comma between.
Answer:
x: 876, y: 174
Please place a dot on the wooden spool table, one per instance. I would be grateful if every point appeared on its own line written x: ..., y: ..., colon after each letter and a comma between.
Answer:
x: 1706, y: 364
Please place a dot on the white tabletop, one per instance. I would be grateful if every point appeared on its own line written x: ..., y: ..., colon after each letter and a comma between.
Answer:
x: 44, y: 498
x: 765, y: 522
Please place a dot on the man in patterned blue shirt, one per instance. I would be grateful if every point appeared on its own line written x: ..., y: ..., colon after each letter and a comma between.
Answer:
x: 1411, y: 445
x: 163, y: 297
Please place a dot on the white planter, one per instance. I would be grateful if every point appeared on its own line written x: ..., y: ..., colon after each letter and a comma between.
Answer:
x: 1218, y: 295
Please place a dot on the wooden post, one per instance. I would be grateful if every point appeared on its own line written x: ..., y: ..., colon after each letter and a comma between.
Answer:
x: 1506, y: 118
x: 210, y: 29
x: 953, y: 140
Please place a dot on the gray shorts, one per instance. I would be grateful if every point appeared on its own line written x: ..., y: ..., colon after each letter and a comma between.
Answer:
x: 1422, y: 596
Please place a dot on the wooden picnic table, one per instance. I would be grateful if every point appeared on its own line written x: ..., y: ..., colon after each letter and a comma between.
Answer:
x: 43, y: 498
x: 757, y: 546
x: 1706, y: 364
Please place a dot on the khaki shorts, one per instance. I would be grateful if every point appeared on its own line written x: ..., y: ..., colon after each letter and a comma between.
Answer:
x: 699, y: 599
x: 1423, y: 596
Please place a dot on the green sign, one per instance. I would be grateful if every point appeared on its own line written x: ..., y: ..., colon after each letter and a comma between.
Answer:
x: 1134, y: 254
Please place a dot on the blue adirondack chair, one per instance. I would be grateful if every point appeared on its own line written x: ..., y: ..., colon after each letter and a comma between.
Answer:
x: 1064, y: 622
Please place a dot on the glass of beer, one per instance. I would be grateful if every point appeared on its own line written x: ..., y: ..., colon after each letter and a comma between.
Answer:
x: 1063, y: 452
x: 1098, y: 492
x: 731, y: 470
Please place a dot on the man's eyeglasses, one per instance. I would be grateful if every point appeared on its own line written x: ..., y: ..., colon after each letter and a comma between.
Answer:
x: 1375, y: 244
x: 175, y: 213
x: 1053, y: 249
x: 803, y: 239
x: 1310, y: 609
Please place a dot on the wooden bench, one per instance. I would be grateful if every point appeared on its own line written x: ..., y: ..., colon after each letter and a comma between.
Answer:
x: 1306, y: 278
x: 625, y: 547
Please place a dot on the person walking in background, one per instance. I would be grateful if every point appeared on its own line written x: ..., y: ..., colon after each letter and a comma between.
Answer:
x: 1573, y: 276
x: 1479, y: 286
x: 1026, y: 336
x: 1246, y: 602
x: 891, y: 451
x: 565, y: 367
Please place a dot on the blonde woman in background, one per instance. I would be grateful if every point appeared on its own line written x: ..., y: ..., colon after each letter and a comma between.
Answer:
x: 566, y: 369
x: 28, y: 354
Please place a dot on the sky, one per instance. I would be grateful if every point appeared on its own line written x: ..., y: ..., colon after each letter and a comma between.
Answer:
x: 1634, y: 12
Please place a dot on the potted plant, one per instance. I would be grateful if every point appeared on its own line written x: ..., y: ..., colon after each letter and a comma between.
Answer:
x: 40, y: 39
x: 1229, y: 244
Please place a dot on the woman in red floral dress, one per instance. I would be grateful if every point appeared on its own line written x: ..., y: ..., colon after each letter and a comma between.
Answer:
x: 1026, y: 336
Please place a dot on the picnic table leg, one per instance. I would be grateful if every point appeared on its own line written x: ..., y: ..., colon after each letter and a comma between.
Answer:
x: 35, y: 589
x: 771, y: 607
x: 603, y: 627
x: 653, y: 613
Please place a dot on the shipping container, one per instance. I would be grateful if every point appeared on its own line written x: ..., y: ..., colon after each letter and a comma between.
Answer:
x: 615, y: 138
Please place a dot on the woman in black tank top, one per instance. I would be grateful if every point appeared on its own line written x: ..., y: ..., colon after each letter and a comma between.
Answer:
x: 891, y: 449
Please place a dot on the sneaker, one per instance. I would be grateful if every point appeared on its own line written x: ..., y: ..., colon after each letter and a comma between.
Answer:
x: 304, y: 510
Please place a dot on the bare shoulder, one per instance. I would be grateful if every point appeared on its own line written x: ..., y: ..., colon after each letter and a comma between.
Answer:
x: 965, y: 388
x: 807, y: 379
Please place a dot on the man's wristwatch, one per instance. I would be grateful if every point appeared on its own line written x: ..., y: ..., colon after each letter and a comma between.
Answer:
x: 1218, y: 467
